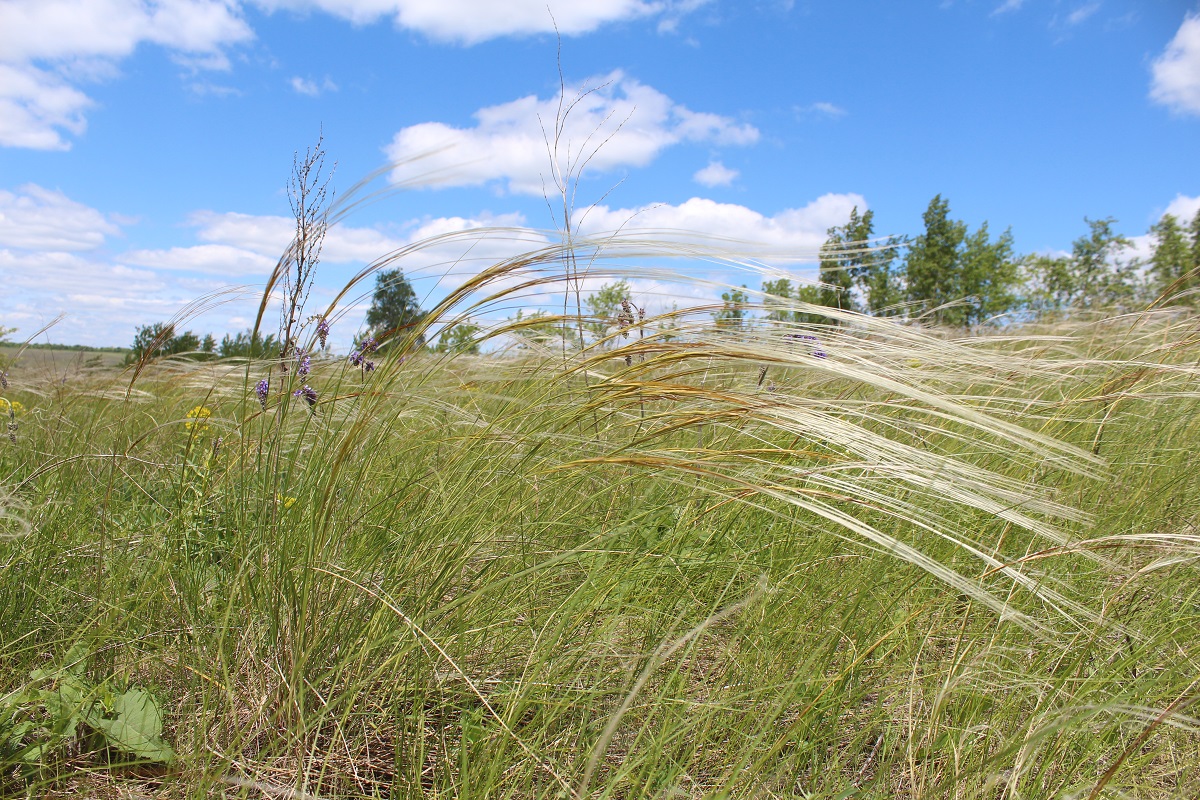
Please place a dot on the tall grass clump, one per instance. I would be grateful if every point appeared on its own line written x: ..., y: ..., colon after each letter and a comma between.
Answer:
x: 778, y: 559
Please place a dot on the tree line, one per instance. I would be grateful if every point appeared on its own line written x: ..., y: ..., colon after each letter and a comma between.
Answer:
x: 952, y: 276
x: 947, y: 275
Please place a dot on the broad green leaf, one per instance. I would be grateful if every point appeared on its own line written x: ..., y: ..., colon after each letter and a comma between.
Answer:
x: 137, y: 728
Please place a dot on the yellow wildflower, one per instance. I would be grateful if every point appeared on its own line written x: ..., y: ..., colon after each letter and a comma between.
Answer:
x: 15, y: 405
x: 197, y: 419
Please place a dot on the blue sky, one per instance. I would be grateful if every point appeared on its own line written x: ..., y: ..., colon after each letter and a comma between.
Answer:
x: 145, y: 144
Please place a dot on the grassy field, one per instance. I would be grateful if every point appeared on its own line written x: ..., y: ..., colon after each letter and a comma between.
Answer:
x: 61, y: 360
x: 894, y: 564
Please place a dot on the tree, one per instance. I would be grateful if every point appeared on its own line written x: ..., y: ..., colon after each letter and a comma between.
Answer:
x: 459, y: 339
x: 1194, y: 231
x: 541, y: 327
x: 604, y: 307
x: 965, y: 278
x: 1100, y: 277
x: 842, y: 260
x: 394, y: 306
x: 248, y: 344
x: 782, y: 289
x: 159, y: 340
x: 882, y: 282
x: 1049, y: 282
x: 860, y: 274
x: 988, y: 276
x: 732, y: 317
x: 932, y: 265
x: 1171, y: 261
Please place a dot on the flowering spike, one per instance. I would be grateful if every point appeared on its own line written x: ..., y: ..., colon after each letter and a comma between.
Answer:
x: 308, y: 393
x: 261, y: 390
x: 305, y: 363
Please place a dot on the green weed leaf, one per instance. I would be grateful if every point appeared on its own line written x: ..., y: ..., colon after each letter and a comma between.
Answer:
x: 137, y: 728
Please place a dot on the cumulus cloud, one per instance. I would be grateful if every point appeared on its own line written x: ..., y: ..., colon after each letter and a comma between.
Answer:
x: 267, y: 237
x: 48, y: 45
x: 715, y: 174
x: 470, y: 21
x: 1183, y: 208
x: 36, y: 106
x: 794, y: 234
x: 615, y: 122
x: 213, y: 259
x: 1176, y: 82
x: 34, y: 218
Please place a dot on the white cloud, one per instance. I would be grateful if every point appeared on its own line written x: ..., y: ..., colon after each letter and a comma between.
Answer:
x: 48, y: 45
x: 794, y: 234
x: 620, y: 123
x: 35, y: 106
x: 312, y: 88
x: 266, y: 237
x: 471, y: 21
x: 213, y: 259
x: 34, y: 218
x: 56, y: 30
x: 1007, y: 6
x: 824, y: 109
x: 1183, y: 208
x: 715, y: 174
x: 1176, y: 82
x: 1082, y: 13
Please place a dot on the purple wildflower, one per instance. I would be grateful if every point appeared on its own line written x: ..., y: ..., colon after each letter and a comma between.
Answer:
x: 817, y: 351
x: 308, y: 393
x: 261, y: 390
x: 3, y: 380
x: 305, y: 361
x: 359, y: 357
x: 323, y: 331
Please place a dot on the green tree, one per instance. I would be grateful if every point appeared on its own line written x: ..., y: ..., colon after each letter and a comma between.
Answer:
x: 248, y: 344
x: 1101, y: 278
x: 543, y: 328
x: 604, y: 307
x: 1171, y: 262
x: 963, y: 278
x: 852, y: 260
x: 394, y: 307
x: 932, y: 268
x: 843, y: 260
x: 1048, y: 281
x: 459, y: 339
x: 1194, y: 233
x: 732, y: 316
x: 882, y: 282
x: 782, y: 289
x: 989, y: 273
x: 159, y: 340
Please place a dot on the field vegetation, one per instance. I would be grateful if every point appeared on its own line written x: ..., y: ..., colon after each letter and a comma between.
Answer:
x: 768, y: 548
